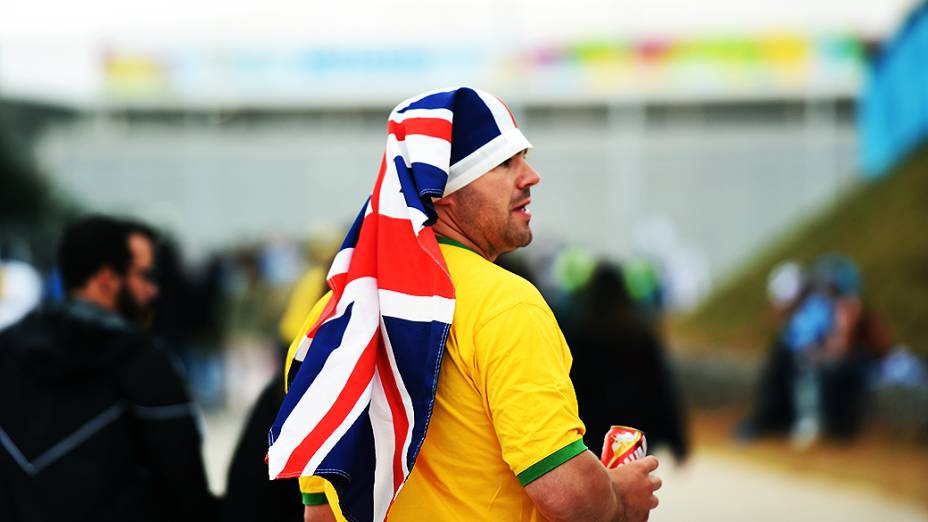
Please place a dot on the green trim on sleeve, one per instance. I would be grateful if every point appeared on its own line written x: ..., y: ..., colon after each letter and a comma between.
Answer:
x: 448, y: 241
x: 314, y: 499
x: 551, y: 461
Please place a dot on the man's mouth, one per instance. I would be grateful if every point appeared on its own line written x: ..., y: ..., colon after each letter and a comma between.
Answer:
x: 523, y: 209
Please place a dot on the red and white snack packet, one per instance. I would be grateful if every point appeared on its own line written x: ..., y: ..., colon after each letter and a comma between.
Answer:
x: 623, y: 445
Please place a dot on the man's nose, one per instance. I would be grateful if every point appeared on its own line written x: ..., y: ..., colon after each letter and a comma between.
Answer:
x: 530, y: 177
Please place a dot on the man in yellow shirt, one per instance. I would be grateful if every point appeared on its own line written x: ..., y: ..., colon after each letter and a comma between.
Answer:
x: 505, y: 439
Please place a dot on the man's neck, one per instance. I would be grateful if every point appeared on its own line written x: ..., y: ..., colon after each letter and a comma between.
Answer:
x: 450, y: 232
x: 94, y: 296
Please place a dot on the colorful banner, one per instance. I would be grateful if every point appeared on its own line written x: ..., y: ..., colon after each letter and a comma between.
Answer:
x: 774, y: 65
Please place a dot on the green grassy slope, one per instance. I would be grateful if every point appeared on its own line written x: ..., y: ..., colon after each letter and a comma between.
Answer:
x: 882, y: 225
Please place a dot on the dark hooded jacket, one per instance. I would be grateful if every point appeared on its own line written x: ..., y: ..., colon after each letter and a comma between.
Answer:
x: 95, y: 423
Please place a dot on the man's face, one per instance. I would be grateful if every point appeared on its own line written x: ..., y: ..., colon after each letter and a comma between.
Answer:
x: 493, y: 208
x: 138, y: 289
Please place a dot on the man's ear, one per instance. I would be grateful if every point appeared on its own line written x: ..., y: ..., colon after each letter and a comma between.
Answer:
x: 444, y: 203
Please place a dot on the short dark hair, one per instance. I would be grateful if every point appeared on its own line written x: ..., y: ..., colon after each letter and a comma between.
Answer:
x: 93, y: 242
x: 137, y: 227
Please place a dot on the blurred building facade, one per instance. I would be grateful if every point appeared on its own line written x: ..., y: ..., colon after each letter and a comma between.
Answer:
x: 710, y: 147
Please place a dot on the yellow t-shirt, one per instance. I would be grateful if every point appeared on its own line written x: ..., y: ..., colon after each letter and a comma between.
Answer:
x: 505, y: 412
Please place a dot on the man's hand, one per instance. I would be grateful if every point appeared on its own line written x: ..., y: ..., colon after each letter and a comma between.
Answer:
x: 634, y: 489
x: 321, y: 513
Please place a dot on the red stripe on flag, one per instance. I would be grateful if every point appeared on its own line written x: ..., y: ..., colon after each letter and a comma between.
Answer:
x: 409, y: 274
x: 415, y: 275
x: 398, y: 412
x: 357, y: 382
x: 364, y: 259
x: 327, y: 312
x: 337, y: 282
x: 429, y: 244
x: 434, y: 127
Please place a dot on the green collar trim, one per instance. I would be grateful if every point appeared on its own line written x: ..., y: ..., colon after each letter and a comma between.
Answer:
x: 448, y: 241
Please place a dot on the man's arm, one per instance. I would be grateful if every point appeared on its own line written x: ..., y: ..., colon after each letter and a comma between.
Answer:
x: 317, y: 493
x: 320, y: 513
x: 582, y: 489
x: 523, y: 364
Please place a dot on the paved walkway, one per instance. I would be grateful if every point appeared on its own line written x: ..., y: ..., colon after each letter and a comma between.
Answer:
x: 717, y: 488
x: 711, y: 487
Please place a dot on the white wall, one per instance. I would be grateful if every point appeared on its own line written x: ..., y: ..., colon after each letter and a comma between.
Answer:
x: 729, y: 179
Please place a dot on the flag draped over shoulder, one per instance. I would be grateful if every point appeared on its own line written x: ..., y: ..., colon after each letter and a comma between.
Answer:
x: 364, y: 377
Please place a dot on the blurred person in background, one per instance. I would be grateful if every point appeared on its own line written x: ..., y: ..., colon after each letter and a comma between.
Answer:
x: 250, y: 496
x: 185, y: 317
x: 858, y: 339
x: 504, y: 439
x: 815, y: 379
x: 321, y: 249
x: 518, y: 265
x: 571, y: 269
x: 786, y: 285
x: 176, y: 311
x: 645, y: 288
x: 102, y: 427
x: 620, y: 371
x: 773, y: 408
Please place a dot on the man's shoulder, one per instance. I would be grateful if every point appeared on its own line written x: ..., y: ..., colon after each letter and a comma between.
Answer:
x: 70, y: 341
x: 470, y: 269
x: 484, y: 289
x: 37, y: 329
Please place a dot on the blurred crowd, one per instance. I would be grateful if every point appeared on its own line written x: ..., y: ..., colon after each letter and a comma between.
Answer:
x: 228, y: 322
x: 211, y: 318
x: 830, y: 349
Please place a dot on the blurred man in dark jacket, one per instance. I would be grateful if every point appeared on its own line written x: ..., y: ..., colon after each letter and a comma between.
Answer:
x: 95, y: 421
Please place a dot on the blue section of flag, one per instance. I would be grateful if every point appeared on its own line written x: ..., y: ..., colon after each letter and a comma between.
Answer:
x: 438, y: 100
x: 419, y: 368
x: 429, y: 180
x: 474, y: 125
x: 426, y: 181
x: 352, y: 471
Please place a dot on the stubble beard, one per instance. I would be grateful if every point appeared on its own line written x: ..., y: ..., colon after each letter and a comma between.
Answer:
x: 503, y: 233
x: 519, y: 235
x: 131, y: 310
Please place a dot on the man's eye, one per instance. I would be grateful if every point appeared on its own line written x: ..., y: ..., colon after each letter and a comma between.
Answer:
x: 506, y: 163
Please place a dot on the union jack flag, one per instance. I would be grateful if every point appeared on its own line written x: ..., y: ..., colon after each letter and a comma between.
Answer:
x: 364, y: 377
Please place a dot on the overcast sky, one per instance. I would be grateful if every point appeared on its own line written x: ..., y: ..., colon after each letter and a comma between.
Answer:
x: 51, y: 48
x: 284, y: 22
